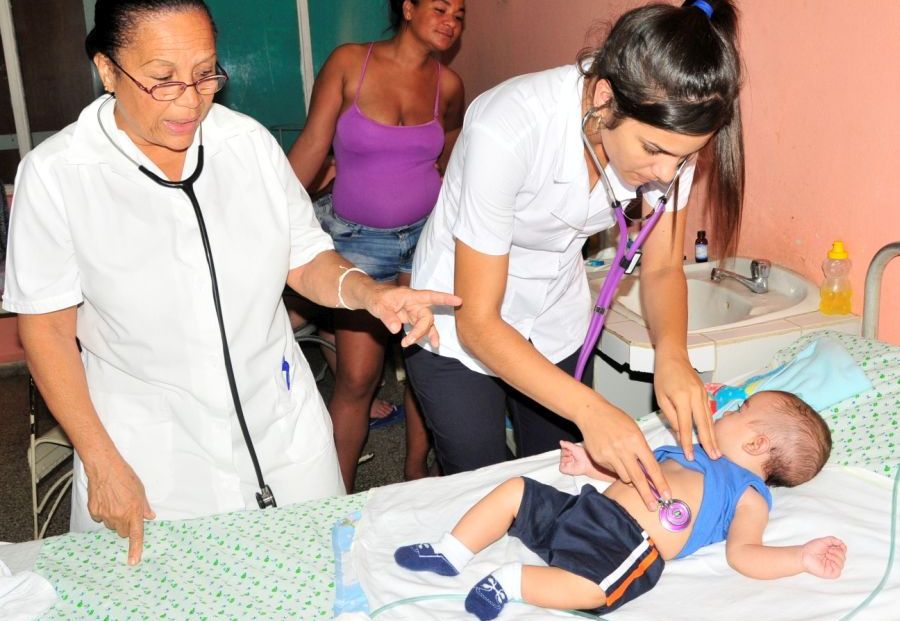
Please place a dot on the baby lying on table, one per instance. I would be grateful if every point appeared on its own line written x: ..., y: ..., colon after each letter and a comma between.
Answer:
x: 606, y: 549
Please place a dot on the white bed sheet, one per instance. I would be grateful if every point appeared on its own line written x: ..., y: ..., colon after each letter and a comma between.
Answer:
x: 20, y: 556
x: 851, y: 503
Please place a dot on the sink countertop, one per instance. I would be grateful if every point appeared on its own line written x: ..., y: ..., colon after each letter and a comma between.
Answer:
x: 627, y: 341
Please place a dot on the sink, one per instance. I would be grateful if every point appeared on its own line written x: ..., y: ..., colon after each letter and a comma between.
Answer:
x: 727, y: 304
x: 765, y: 322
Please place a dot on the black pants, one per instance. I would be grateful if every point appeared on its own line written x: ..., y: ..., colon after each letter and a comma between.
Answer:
x: 466, y: 412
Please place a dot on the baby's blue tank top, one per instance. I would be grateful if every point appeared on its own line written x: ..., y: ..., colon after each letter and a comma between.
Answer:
x: 724, y: 482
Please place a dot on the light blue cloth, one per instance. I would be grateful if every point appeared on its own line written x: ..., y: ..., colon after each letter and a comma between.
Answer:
x: 822, y: 374
x: 349, y: 596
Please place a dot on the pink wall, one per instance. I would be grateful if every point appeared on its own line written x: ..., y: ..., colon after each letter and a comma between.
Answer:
x: 821, y: 118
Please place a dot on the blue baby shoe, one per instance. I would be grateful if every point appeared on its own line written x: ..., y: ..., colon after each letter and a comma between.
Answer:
x: 422, y: 557
x: 486, y: 599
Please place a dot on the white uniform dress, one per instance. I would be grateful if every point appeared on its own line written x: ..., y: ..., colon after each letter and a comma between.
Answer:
x: 89, y: 229
x: 517, y: 184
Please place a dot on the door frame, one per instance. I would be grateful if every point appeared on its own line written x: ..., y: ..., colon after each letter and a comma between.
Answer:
x: 307, y: 69
x: 14, y: 73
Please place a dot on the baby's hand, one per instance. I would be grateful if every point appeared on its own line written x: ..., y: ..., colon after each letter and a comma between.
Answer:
x: 573, y: 459
x: 824, y: 557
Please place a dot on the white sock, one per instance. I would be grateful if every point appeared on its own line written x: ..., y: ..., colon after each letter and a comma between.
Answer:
x: 510, y: 578
x: 455, y: 551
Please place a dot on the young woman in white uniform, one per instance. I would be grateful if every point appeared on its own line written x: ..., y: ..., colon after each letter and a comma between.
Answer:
x: 520, y: 197
x: 99, y: 252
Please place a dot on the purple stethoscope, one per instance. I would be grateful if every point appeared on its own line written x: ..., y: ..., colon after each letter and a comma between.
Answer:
x: 674, y: 514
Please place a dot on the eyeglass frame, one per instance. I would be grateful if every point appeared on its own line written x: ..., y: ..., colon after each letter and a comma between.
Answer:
x: 186, y: 85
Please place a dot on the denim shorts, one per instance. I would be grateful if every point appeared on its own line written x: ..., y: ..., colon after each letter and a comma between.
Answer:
x: 381, y: 253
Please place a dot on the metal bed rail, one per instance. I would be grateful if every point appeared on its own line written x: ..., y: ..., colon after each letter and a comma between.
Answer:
x: 872, y: 299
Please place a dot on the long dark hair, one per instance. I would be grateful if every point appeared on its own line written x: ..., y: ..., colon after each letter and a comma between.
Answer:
x: 114, y: 21
x: 679, y: 70
x: 396, y: 16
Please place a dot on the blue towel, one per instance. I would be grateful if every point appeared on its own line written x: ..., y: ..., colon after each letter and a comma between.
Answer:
x: 822, y: 374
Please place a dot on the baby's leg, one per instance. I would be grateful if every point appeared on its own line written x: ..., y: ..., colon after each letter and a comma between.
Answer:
x: 552, y: 587
x: 484, y: 523
x: 490, y: 518
x: 547, y: 587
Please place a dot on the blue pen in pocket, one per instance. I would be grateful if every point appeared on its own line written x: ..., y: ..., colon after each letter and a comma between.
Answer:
x: 286, y: 369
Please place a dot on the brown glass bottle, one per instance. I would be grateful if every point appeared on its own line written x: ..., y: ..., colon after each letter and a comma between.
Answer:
x: 701, y: 248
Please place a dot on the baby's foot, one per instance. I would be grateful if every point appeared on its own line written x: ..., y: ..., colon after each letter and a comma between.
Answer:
x: 486, y: 599
x: 423, y: 557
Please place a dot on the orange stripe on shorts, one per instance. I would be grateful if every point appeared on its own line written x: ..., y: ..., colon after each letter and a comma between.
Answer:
x: 636, y: 573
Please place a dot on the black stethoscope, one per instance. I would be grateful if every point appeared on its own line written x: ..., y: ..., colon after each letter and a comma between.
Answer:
x: 264, y: 496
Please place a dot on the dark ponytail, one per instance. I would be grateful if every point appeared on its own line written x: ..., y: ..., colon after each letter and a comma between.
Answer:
x: 678, y: 69
x: 396, y: 16
x: 114, y: 21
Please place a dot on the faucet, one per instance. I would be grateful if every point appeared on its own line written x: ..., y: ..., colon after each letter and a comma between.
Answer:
x: 759, y: 276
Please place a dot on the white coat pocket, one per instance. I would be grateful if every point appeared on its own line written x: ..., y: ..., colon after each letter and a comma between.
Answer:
x: 285, y: 376
x: 303, y: 424
x: 142, y: 427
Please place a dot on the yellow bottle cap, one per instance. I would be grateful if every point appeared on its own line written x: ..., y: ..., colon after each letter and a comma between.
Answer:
x: 837, y: 251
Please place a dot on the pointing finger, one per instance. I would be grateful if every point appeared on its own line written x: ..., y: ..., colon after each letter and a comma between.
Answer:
x: 135, y: 540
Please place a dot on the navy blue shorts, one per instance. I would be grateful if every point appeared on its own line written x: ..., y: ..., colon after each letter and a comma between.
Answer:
x: 381, y: 253
x: 591, y: 536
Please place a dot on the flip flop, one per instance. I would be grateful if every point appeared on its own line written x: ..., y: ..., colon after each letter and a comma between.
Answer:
x: 397, y: 413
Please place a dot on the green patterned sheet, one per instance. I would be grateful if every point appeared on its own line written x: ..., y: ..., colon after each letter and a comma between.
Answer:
x: 273, y: 564
x: 279, y: 564
x: 865, y: 429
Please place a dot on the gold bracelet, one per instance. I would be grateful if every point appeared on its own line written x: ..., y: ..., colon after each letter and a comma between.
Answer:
x: 340, y: 288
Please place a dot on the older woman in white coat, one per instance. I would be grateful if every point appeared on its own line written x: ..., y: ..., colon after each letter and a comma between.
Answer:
x: 168, y: 359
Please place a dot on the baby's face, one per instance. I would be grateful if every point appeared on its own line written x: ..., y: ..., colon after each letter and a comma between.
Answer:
x: 733, y: 429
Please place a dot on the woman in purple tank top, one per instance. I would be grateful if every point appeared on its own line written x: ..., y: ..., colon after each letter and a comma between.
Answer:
x: 392, y: 112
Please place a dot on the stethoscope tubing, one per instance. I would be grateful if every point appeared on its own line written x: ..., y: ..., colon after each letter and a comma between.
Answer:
x: 265, y: 496
x: 625, y: 253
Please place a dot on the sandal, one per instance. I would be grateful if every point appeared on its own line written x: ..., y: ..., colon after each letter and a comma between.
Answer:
x: 397, y: 413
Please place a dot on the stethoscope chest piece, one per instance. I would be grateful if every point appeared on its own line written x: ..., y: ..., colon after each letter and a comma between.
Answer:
x: 674, y: 514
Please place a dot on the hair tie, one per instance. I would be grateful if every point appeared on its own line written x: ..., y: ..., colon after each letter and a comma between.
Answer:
x: 704, y: 6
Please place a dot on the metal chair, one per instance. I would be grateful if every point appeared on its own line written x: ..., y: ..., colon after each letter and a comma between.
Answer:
x: 46, y: 454
x: 308, y: 334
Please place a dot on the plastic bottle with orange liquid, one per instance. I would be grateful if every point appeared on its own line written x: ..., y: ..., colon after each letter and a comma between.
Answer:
x: 835, y: 293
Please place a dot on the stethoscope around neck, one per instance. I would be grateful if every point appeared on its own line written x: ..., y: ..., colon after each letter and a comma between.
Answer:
x: 674, y: 514
x: 264, y: 496
x: 627, y: 254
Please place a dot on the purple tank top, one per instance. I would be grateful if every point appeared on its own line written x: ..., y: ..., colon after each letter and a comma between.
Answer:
x: 386, y: 175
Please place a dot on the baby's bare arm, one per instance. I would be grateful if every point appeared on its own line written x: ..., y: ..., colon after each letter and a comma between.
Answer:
x: 746, y: 553
x: 574, y: 460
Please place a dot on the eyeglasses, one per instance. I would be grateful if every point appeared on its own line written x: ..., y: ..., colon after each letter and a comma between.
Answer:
x: 168, y: 91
